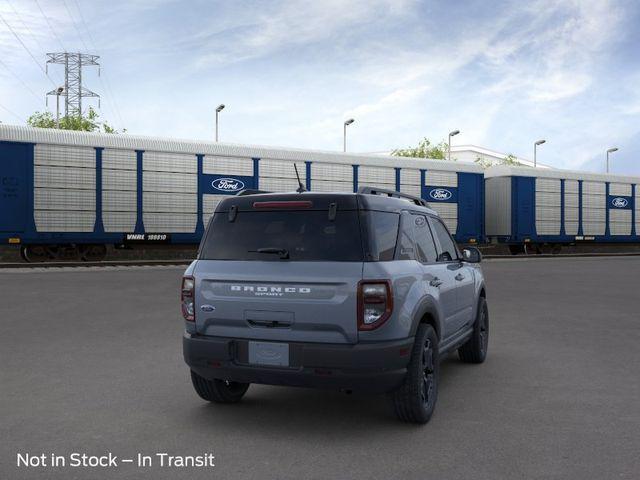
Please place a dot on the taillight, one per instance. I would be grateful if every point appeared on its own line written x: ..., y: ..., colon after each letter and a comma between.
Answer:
x: 187, y: 298
x: 375, y: 303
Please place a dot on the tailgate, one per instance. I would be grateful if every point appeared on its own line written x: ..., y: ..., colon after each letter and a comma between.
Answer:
x: 280, y: 301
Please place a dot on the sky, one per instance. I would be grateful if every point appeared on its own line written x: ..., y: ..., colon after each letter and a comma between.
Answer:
x: 505, y: 73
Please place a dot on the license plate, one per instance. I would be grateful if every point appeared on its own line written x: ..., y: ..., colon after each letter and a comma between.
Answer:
x: 268, y: 353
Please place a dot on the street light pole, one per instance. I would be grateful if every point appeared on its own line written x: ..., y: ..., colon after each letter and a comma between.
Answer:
x: 535, y: 152
x: 611, y: 150
x: 451, y: 134
x: 344, y: 133
x: 59, y: 91
x: 218, y: 110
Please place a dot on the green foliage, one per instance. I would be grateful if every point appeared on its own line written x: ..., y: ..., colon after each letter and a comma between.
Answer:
x: 425, y: 149
x: 85, y: 123
x: 510, y: 159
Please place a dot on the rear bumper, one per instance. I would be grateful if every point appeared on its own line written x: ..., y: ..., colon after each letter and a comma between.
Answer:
x: 370, y: 367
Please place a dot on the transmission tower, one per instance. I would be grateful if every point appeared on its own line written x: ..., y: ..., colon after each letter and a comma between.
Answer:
x: 73, y: 91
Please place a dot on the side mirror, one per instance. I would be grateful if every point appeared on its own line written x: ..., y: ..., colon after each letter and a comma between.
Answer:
x: 471, y: 255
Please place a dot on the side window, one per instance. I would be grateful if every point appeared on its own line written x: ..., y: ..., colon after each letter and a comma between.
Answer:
x: 383, y: 235
x: 406, y: 248
x: 424, y: 241
x: 449, y: 251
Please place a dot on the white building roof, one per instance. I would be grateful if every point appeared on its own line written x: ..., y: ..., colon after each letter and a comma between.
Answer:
x: 477, y: 151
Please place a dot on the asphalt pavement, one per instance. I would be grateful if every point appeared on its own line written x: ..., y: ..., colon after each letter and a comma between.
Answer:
x: 91, y: 362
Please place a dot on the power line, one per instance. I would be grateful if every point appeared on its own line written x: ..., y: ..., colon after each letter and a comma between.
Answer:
x: 12, y: 113
x: 111, y: 98
x: 26, y: 27
x: 75, y: 26
x: 50, y: 26
x: 20, y: 80
x: 27, y: 49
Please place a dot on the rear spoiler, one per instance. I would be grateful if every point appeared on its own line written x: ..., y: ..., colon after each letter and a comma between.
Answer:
x: 250, y: 191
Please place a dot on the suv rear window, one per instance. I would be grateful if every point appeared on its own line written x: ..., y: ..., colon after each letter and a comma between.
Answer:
x: 304, y: 235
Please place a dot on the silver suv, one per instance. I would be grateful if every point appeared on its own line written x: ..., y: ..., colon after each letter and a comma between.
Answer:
x: 354, y: 291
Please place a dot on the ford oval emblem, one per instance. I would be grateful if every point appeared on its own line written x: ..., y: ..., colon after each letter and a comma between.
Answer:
x: 440, y: 194
x: 228, y: 184
x: 619, y: 202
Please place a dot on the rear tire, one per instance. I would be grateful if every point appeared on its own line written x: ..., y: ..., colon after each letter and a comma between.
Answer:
x: 218, y: 391
x: 415, y: 400
x: 475, y: 349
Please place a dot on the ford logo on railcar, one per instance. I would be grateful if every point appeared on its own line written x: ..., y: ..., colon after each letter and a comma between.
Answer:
x: 228, y: 184
x: 440, y: 194
x: 619, y: 202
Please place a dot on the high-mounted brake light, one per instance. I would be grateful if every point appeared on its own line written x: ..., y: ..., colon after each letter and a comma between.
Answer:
x: 375, y: 303
x: 284, y: 204
x: 187, y: 298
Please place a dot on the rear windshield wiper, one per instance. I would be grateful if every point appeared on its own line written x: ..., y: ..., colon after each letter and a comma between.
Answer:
x: 283, y: 252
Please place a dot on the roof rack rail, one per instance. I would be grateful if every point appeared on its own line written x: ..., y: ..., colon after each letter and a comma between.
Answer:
x: 392, y: 193
x: 250, y: 191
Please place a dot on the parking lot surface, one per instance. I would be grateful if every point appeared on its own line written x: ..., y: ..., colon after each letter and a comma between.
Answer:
x: 92, y: 363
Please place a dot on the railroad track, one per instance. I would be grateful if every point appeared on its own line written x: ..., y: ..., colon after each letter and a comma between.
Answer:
x: 106, y: 263
x: 178, y: 262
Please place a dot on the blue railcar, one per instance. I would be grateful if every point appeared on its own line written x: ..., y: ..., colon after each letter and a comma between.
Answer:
x: 78, y: 191
x: 535, y: 210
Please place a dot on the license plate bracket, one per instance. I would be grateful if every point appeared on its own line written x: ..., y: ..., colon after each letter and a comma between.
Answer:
x: 269, y: 353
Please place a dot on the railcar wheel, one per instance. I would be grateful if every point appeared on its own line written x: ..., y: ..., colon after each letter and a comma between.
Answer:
x: 34, y: 253
x: 557, y: 248
x: 93, y: 253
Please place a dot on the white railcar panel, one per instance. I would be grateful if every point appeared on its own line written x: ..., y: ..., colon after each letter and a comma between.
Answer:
x: 270, y: 168
x: 64, y: 221
x: 620, y: 189
x: 64, y: 156
x: 619, y: 222
x: 449, y: 214
x: 571, y: 228
x: 547, y: 227
x: 331, y: 186
x: 119, y: 159
x: 548, y: 185
x: 571, y: 186
x: 332, y: 171
x: 415, y: 190
x: 548, y: 199
x: 169, y: 162
x: 571, y: 218
x: 437, y: 178
x: 571, y: 200
x: 119, y: 201
x: 170, y: 222
x: 64, y: 199
x: 376, y: 175
x: 209, y: 205
x: 409, y: 176
x: 160, y: 202
x: 279, y: 184
x: 594, y: 188
x: 119, y: 221
x: 169, y: 182
x: 121, y: 180
x: 64, y: 177
x: 212, y: 164
x: 593, y: 228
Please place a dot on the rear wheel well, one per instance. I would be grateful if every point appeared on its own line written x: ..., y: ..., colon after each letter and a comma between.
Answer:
x: 483, y: 294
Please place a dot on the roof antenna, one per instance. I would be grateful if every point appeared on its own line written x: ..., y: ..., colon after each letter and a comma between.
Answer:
x: 300, y: 188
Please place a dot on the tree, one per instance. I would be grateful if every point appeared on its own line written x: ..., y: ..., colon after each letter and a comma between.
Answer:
x: 424, y: 150
x: 510, y: 159
x: 85, y: 123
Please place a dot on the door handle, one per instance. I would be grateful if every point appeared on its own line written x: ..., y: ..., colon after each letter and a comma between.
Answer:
x: 436, y: 282
x: 459, y: 277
